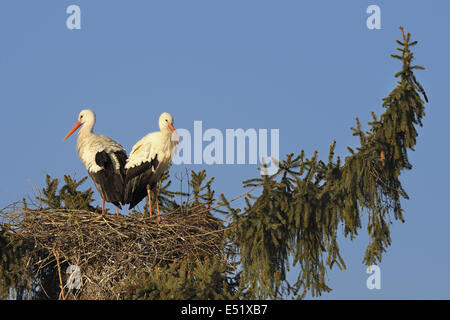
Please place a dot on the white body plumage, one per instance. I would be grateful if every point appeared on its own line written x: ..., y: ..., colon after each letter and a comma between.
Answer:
x: 89, y: 144
x: 150, y: 157
x: 155, y: 145
x: 103, y: 157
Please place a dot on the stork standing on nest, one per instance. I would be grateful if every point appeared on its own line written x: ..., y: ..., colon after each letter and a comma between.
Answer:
x: 149, y: 159
x: 104, y: 159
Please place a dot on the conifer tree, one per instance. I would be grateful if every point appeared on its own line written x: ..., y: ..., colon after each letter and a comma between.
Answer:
x: 10, y: 263
x: 67, y: 197
x: 300, y: 208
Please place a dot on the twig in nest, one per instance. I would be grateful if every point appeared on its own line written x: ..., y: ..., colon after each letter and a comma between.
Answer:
x: 59, y: 274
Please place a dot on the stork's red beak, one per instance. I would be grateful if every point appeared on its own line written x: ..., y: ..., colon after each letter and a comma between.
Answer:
x: 173, y: 131
x: 74, y: 128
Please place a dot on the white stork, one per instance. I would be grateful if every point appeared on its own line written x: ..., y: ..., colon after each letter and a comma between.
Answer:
x: 104, y: 159
x: 149, y: 158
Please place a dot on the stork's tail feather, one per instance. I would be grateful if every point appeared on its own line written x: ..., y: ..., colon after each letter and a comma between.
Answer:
x: 137, y: 180
x: 117, y: 204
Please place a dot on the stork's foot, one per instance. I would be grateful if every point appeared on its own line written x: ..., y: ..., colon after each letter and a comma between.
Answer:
x: 162, y: 220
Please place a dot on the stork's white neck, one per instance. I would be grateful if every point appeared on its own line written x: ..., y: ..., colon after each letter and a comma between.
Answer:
x: 166, y: 132
x: 167, y: 137
x: 86, y: 128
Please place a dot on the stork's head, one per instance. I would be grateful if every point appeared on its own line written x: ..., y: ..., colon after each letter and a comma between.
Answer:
x: 166, y: 123
x: 85, y: 117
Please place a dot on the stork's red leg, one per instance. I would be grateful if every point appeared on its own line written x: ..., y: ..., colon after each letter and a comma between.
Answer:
x: 117, y: 211
x: 149, y: 194
x: 103, y: 206
x: 157, y: 208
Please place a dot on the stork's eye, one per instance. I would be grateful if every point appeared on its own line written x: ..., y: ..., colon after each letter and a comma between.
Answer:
x: 166, y: 120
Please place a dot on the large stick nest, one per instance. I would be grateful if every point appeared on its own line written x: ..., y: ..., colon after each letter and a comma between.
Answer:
x: 106, y: 248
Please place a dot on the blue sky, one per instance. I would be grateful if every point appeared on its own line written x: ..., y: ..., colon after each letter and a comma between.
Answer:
x: 307, y: 68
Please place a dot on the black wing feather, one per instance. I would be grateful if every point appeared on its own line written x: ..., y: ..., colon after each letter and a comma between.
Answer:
x: 137, y: 180
x: 102, y: 159
x: 136, y: 171
x: 109, y: 181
